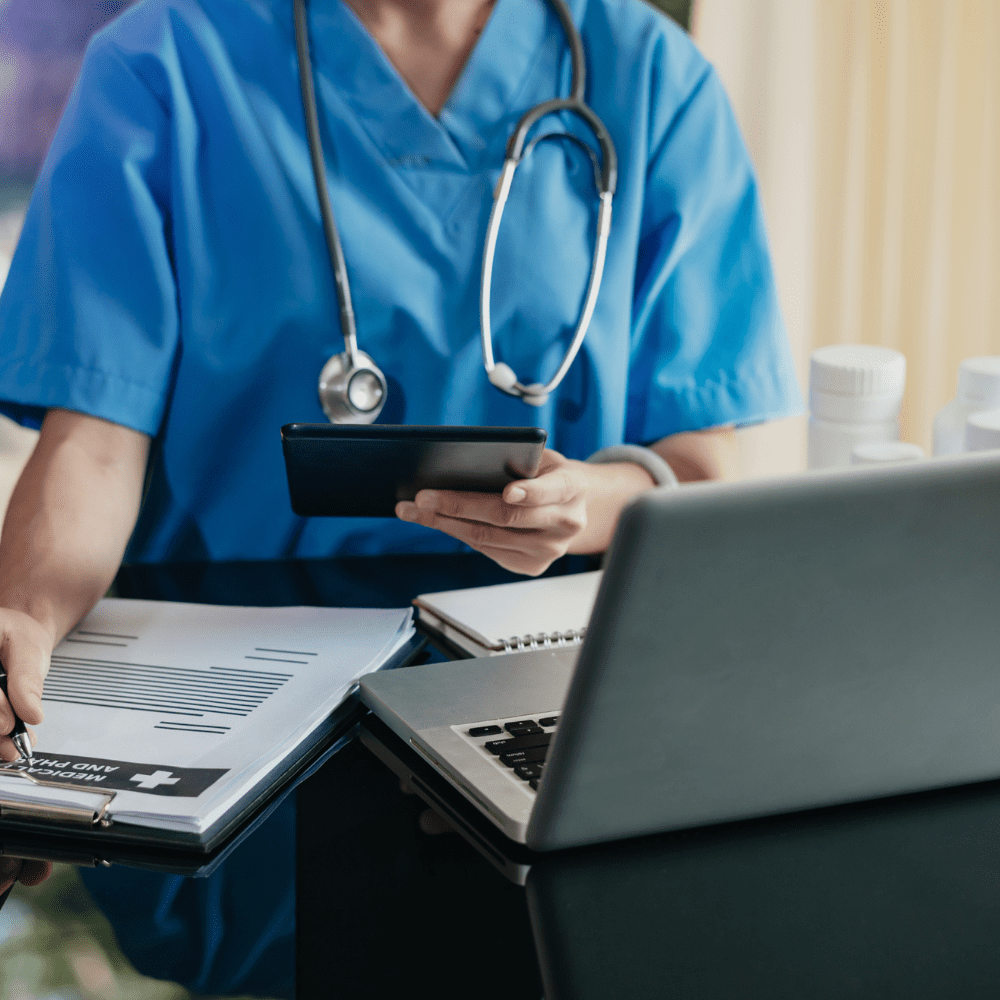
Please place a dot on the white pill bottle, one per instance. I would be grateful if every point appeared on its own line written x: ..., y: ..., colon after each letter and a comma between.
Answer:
x: 886, y: 453
x: 978, y: 389
x: 982, y: 431
x: 855, y: 392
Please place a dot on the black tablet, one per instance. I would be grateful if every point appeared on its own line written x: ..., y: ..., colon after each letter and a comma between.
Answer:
x: 351, y: 470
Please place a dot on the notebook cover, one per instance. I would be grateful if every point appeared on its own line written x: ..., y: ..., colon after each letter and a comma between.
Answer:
x: 528, y: 614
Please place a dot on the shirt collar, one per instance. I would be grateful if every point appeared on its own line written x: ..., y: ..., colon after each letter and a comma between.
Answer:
x: 487, y: 95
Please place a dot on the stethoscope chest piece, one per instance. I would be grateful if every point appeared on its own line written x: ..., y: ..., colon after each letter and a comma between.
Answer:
x: 352, y: 390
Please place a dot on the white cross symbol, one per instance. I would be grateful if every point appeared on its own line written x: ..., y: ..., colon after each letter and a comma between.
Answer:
x: 155, y: 779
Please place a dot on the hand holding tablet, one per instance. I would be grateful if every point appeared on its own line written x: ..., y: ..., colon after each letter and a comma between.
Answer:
x: 365, y: 470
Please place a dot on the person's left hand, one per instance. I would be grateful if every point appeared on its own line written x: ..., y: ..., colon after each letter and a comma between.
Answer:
x: 569, y: 507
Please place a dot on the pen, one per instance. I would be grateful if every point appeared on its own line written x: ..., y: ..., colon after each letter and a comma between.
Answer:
x: 19, y: 734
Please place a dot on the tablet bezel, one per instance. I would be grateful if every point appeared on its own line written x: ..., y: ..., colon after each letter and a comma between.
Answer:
x: 351, y: 470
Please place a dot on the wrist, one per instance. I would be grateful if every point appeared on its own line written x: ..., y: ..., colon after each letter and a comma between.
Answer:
x: 619, y: 479
x: 653, y: 464
x: 609, y: 486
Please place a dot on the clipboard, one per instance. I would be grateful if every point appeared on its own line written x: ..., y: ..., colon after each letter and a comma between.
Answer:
x: 92, y: 838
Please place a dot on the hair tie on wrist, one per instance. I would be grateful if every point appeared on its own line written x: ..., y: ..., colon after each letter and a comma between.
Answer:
x: 656, y: 466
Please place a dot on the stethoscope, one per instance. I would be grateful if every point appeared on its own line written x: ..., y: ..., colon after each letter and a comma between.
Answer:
x: 352, y: 389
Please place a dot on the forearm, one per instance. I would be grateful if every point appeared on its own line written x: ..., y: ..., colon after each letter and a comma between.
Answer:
x: 70, y: 518
x: 696, y: 456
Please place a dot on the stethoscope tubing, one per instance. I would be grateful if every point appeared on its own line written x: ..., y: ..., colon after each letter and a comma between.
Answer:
x: 333, y: 245
x: 609, y: 158
x: 536, y: 393
x: 606, y: 178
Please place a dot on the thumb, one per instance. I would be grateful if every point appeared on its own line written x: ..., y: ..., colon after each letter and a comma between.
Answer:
x: 26, y: 664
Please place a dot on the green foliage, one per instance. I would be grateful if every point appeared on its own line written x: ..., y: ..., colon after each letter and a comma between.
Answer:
x: 54, y: 942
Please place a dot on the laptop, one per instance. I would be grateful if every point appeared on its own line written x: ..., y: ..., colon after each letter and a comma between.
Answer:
x: 754, y: 649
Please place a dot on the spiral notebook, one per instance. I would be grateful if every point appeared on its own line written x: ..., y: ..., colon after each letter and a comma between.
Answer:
x: 512, y: 617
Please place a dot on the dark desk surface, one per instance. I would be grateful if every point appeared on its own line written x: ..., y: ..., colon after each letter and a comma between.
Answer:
x: 898, y: 898
x: 895, y: 898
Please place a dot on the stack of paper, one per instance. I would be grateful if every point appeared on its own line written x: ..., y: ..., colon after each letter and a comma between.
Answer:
x: 181, y: 709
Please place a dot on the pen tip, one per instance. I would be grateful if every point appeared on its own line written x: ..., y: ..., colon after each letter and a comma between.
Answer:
x: 23, y: 746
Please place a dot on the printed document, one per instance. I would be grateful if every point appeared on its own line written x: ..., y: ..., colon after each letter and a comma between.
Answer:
x: 180, y: 709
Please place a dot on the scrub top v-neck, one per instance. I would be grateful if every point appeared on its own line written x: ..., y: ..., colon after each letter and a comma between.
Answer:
x: 172, y: 275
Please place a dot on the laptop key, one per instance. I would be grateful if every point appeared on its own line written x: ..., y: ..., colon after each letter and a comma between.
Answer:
x: 526, y: 728
x: 534, y: 783
x: 528, y: 771
x: 519, y: 743
x: 485, y: 731
x: 549, y: 720
x: 529, y: 756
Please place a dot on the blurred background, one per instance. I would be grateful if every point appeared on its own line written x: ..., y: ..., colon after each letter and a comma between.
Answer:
x: 873, y: 128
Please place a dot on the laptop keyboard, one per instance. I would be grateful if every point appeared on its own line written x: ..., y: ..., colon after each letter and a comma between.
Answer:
x: 516, y: 746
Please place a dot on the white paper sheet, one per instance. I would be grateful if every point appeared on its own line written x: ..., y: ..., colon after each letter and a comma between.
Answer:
x: 182, y: 708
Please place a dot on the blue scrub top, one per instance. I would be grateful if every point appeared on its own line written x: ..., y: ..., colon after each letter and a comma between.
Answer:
x: 172, y: 274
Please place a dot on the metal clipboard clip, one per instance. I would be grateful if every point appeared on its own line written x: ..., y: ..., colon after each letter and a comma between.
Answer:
x: 55, y: 812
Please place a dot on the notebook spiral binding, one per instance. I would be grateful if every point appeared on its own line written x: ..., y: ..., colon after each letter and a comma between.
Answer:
x: 522, y: 643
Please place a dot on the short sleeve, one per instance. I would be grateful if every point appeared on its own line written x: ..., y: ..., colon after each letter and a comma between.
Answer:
x: 88, y: 315
x: 709, y: 347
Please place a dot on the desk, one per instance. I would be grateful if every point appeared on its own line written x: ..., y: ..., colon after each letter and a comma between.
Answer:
x: 376, y: 899
x: 889, y: 900
x: 893, y: 899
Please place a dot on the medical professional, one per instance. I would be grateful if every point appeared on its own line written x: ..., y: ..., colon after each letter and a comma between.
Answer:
x: 171, y: 302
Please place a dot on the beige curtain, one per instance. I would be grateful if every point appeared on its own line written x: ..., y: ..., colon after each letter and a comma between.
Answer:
x: 873, y: 126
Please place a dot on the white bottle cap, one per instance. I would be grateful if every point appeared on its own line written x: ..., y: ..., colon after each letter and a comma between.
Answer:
x: 882, y: 452
x: 857, y: 383
x: 982, y: 431
x: 979, y: 381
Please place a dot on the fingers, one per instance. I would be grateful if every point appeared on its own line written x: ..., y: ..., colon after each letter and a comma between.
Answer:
x: 434, y: 823
x: 25, y: 657
x: 556, y: 487
x: 485, y: 508
x: 34, y: 872
x: 28, y: 872
x: 9, y: 752
x: 493, y: 509
x: 429, y: 821
x: 10, y: 869
x: 524, y: 529
x: 6, y: 717
x: 555, y: 527
x: 524, y: 539
x: 24, y: 653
